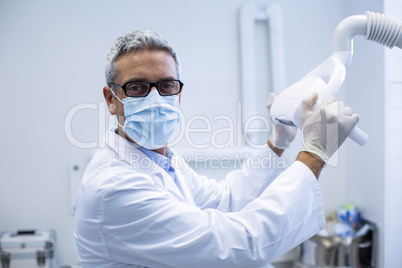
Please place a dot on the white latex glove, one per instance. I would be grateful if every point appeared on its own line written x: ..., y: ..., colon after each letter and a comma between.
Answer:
x: 327, y: 127
x: 281, y: 135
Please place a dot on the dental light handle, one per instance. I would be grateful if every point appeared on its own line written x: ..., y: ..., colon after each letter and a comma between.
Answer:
x: 357, y: 135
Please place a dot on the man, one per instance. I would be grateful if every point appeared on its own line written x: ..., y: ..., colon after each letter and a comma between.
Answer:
x: 140, y: 205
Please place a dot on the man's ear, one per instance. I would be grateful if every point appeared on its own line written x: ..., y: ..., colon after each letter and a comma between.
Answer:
x: 180, y: 95
x: 107, y: 93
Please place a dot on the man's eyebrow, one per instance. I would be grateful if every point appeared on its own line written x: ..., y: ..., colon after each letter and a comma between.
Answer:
x: 147, y: 80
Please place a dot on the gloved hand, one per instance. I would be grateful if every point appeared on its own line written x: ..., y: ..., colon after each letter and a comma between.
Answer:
x: 327, y: 127
x: 281, y: 135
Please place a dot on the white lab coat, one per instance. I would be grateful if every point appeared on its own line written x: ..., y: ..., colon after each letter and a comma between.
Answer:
x: 130, y: 212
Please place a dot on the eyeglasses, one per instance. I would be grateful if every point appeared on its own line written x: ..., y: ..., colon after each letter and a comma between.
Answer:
x: 142, y: 89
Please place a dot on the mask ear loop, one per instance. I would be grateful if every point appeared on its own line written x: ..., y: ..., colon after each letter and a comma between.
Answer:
x: 114, y: 94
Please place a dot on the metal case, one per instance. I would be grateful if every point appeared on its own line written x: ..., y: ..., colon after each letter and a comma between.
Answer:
x: 28, y: 249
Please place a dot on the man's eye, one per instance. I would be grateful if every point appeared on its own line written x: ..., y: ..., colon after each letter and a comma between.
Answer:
x: 167, y: 85
x: 134, y: 88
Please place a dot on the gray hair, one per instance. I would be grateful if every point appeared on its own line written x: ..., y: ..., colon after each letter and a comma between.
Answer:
x: 136, y: 41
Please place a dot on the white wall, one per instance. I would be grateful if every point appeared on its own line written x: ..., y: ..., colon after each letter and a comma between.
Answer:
x: 365, y: 93
x: 393, y: 157
x: 52, y: 59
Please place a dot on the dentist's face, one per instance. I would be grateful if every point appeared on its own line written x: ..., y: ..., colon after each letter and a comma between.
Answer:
x: 145, y: 65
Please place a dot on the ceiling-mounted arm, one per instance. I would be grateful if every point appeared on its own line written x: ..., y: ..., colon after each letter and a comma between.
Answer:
x: 373, y: 26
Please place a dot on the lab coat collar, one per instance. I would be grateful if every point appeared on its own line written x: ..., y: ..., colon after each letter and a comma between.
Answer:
x: 128, y: 152
x: 138, y: 161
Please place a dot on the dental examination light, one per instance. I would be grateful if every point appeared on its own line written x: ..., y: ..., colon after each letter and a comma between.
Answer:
x: 327, y: 77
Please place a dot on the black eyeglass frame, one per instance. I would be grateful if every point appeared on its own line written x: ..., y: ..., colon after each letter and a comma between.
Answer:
x: 151, y: 85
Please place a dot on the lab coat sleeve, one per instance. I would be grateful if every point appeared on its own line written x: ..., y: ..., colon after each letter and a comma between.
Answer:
x: 240, y: 186
x: 142, y: 225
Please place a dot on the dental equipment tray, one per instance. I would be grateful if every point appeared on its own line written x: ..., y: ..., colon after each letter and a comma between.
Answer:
x: 28, y: 248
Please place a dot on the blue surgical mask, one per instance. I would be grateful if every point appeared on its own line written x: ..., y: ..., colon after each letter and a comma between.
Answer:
x: 151, y: 120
